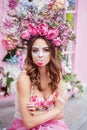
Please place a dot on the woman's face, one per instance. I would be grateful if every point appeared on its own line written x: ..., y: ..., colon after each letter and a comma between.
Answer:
x: 40, y: 52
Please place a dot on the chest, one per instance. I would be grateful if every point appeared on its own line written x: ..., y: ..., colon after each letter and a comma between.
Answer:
x: 43, y: 100
x: 45, y: 94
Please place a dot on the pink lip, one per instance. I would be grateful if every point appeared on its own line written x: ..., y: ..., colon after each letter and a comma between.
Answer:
x: 40, y: 63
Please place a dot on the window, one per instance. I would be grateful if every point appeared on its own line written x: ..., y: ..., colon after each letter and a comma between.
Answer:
x: 70, y: 16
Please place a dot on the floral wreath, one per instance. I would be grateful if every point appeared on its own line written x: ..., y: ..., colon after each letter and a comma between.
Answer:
x: 42, y: 30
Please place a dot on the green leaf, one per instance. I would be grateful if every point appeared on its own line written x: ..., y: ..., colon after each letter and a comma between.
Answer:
x: 9, y: 80
x: 59, y: 54
x: 9, y: 55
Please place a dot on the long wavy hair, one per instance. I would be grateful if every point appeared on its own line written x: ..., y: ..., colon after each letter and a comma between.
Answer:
x: 53, y: 67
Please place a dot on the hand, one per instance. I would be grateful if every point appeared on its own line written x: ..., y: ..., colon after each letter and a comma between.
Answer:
x: 58, y: 104
x: 31, y: 107
x: 59, y: 108
x: 62, y: 97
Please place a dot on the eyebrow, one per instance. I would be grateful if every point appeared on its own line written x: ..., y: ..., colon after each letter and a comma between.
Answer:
x: 42, y: 47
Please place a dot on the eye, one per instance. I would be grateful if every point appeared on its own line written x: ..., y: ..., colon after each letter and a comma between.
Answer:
x: 35, y: 50
x: 46, y: 49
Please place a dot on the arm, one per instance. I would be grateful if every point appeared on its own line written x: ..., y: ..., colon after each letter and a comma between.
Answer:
x: 23, y: 87
x: 59, y: 103
x: 62, y: 98
x: 34, y: 112
x: 62, y: 92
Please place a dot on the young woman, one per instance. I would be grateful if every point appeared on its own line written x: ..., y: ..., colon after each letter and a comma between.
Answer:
x: 40, y: 97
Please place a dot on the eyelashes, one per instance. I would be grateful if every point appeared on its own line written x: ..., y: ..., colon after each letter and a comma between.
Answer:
x: 47, y: 50
x: 35, y: 50
x: 44, y: 50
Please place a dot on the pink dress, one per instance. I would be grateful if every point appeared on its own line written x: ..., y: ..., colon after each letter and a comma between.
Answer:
x: 42, y: 105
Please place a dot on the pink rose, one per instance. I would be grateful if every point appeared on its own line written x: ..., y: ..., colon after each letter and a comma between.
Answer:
x: 19, y: 52
x: 57, y: 42
x: 42, y: 29
x: 32, y: 29
x: 33, y: 98
x: 25, y: 35
x: 65, y: 40
x: 52, y: 33
x: 9, y: 45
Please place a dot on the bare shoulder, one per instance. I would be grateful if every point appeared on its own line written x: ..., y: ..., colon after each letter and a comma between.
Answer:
x: 23, y: 80
x: 23, y: 77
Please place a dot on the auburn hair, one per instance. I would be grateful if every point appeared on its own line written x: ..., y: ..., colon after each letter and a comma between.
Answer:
x: 53, y: 67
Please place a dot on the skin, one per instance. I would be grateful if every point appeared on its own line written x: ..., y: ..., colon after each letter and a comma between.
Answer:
x: 40, y: 53
x: 30, y: 116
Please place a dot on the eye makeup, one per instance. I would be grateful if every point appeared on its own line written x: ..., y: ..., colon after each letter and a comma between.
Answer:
x: 43, y: 50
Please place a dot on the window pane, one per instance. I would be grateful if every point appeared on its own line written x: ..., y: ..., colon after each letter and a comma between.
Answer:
x: 71, y: 4
x: 70, y: 19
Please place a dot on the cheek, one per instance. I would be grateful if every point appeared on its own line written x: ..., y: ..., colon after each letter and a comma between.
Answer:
x: 47, y: 58
x: 34, y: 59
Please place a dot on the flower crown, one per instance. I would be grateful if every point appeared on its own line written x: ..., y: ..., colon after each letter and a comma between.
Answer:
x: 42, y: 29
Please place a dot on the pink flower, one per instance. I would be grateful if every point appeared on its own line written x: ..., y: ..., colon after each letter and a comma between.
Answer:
x: 32, y: 29
x: 57, y: 42
x: 65, y: 40
x: 19, y: 52
x: 52, y: 33
x: 12, y: 4
x: 8, y: 44
x: 25, y: 35
x: 50, y: 4
x: 41, y: 103
x: 42, y: 29
x: 8, y: 23
x: 33, y: 98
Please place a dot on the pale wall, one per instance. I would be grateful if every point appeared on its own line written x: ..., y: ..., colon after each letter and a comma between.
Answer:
x: 80, y: 66
x: 2, y: 50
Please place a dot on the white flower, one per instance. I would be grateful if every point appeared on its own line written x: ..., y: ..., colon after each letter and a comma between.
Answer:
x: 4, y: 82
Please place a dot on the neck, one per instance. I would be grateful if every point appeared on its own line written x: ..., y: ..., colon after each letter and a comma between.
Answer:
x: 43, y: 71
x: 44, y: 78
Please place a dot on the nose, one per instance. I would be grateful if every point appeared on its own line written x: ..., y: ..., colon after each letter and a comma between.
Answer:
x: 40, y: 53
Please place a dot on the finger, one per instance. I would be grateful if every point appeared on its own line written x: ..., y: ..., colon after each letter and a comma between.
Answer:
x: 30, y: 105
x: 32, y: 112
x: 31, y: 109
x: 63, y: 98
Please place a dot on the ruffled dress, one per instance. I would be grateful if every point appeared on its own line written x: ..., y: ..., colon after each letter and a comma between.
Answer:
x: 42, y: 105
